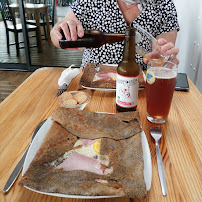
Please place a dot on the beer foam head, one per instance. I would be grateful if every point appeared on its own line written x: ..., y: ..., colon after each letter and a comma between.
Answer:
x: 163, y: 72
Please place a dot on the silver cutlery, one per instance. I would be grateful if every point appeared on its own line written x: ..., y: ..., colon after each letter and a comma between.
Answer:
x: 19, y: 166
x: 156, y: 134
x: 62, y: 89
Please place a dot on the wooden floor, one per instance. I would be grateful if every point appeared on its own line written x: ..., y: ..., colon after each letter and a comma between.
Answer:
x: 51, y: 56
x: 10, y: 80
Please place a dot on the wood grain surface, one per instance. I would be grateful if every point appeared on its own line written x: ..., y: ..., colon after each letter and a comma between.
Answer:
x: 10, y: 80
x: 35, y: 100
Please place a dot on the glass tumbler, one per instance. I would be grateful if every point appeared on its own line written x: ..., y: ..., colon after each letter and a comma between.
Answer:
x: 160, y: 85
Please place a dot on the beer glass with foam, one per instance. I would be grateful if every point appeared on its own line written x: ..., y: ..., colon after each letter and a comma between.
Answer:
x: 160, y: 85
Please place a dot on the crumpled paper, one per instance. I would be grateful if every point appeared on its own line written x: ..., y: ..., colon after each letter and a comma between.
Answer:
x: 68, y: 74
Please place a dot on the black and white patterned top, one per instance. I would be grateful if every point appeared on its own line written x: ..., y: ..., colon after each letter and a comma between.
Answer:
x: 157, y: 17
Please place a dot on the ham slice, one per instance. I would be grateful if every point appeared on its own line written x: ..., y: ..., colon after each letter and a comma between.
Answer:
x: 87, y: 142
x: 77, y: 161
x: 106, y: 75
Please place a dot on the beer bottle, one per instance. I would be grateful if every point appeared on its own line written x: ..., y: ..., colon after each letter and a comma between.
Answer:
x: 92, y: 39
x: 127, y: 83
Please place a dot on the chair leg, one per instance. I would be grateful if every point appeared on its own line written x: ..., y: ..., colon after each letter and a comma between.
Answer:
x: 44, y: 28
x: 37, y: 40
x: 17, y: 44
x: 7, y: 40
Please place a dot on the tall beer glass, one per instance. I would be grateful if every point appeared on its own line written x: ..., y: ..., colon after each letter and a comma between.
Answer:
x: 160, y: 85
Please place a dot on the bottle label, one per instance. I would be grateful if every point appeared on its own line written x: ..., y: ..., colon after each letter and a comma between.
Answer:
x: 150, y: 77
x: 127, y: 91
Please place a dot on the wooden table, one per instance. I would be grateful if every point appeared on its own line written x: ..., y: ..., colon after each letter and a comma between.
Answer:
x: 36, y: 9
x: 35, y: 100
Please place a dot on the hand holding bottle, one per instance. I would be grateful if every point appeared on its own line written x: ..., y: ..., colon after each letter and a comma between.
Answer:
x: 70, y: 26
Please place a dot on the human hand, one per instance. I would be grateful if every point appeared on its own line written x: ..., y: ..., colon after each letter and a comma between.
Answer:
x: 166, y: 48
x: 169, y: 49
x: 71, y: 28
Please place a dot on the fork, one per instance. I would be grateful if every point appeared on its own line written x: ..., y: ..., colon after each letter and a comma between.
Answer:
x: 156, y: 134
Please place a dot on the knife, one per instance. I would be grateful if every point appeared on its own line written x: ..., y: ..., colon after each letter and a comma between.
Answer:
x: 66, y: 77
x: 19, y: 166
x: 62, y: 89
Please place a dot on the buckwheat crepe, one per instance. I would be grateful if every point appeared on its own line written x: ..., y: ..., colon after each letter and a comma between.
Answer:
x: 89, y: 154
x: 102, y: 76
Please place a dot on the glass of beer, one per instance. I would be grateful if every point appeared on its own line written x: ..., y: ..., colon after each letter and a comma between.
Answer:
x: 160, y: 85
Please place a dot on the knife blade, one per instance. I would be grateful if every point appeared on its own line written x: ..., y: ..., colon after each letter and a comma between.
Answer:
x: 19, y: 166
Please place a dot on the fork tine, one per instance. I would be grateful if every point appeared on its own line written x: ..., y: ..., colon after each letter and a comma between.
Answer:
x: 156, y: 133
x: 155, y: 129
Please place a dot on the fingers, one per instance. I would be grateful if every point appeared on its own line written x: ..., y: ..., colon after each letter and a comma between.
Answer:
x: 72, y: 30
x: 162, y: 41
x: 167, y: 47
x: 172, y: 51
x: 55, y: 32
x: 80, y: 30
x: 65, y: 28
x: 56, y: 35
x: 176, y: 61
x: 145, y: 60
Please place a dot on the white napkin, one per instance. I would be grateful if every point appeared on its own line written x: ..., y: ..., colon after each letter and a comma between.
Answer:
x: 67, y: 75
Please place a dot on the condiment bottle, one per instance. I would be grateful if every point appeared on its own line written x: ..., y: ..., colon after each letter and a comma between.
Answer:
x: 127, y: 83
x: 92, y: 39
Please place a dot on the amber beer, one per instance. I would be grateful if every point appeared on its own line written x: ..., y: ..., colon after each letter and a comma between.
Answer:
x: 160, y: 86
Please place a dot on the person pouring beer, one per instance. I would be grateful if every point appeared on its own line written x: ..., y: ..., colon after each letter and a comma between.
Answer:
x: 113, y: 16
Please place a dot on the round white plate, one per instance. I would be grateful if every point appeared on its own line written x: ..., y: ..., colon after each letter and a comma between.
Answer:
x: 39, y: 139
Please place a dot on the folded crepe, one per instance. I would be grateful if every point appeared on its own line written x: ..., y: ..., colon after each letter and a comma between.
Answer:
x: 89, y: 154
x: 102, y: 76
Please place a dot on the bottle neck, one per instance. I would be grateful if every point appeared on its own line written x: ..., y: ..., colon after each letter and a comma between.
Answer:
x: 129, y: 46
x: 112, y: 38
x: 92, y: 39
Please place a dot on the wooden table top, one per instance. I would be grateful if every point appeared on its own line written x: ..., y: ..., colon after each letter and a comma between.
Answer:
x: 35, y: 100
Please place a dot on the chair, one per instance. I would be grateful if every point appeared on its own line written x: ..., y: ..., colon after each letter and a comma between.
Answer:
x: 51, y: 13
x: 8, y: 16
x: 65, y: 2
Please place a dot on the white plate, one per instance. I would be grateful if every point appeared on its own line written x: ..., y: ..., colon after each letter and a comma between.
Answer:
x: 39, y: 139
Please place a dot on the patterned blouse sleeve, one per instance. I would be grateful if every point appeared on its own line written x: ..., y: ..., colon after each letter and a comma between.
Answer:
x: 169, y: 17
x: 80, y: 9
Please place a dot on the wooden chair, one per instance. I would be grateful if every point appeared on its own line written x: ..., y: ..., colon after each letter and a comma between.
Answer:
x: 51, y: 13
x: 8, y: 16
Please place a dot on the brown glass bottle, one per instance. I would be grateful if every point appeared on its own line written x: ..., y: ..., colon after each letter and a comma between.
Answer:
x: 92, y: 39
x: 127, y: 84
